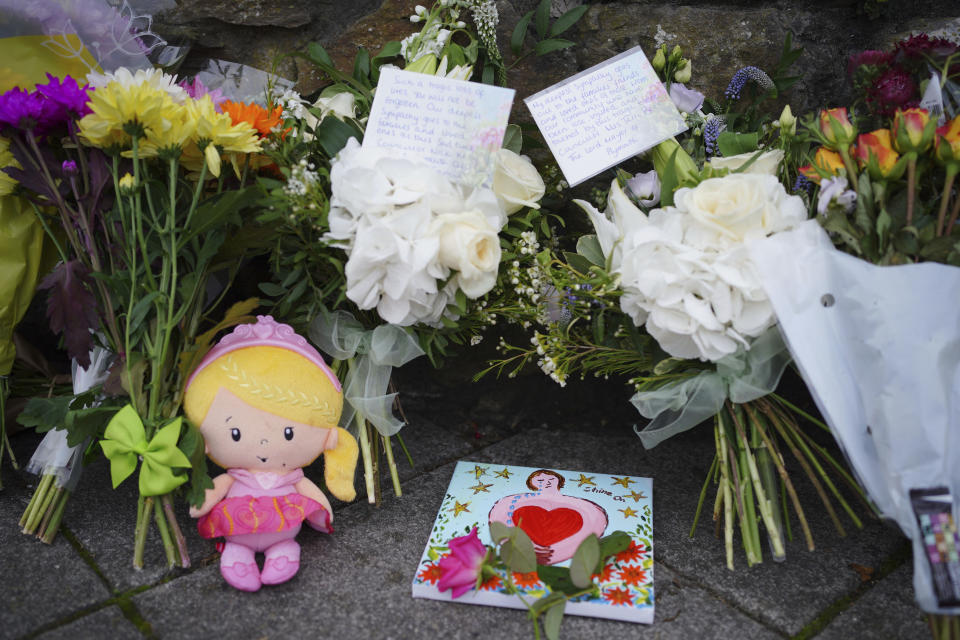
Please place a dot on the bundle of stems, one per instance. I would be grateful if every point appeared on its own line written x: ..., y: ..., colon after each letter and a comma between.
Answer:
x: 944, y: 627
x: 750, y: 473
x: 44, y: 512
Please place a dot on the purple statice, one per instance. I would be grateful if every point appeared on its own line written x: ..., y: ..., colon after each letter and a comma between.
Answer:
x: 741, y: 77
x: 28, y: 111
x: 196, y: 90
x: 70, y: 97
x: 803, y: 185
x: 69, y: 168
x: 712, y: 129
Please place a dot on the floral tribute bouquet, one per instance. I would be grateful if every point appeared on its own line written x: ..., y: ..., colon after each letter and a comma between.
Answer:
x: 379, y: 254
x: 143, y: 184
x: 668, y: 296
x: 867, y: 322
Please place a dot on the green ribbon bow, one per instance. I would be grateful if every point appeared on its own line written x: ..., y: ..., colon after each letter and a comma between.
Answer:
x: 741, y: 377
x: 125, y: 440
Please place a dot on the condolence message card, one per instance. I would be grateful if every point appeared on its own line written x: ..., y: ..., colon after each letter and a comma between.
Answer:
x: 452, y: 125
x: 600, y: 117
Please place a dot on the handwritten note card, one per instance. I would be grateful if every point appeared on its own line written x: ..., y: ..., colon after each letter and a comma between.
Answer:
x: 452, y: 125
x: 604, y: 115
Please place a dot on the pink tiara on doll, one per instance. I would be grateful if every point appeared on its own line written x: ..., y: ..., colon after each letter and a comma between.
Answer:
x: 265, y: 332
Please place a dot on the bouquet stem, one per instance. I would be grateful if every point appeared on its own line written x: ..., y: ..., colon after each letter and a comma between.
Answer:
x: 366, y: 455
x: 394, y: 475
x: 144, y: 511
x: 33, y: 507
x: 160, y: 509
x: 944, y: 627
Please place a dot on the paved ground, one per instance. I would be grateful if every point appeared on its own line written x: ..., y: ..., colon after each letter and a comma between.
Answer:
x: 356, y: 583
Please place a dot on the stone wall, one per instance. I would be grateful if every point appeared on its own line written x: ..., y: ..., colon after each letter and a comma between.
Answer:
x: 718, y: 36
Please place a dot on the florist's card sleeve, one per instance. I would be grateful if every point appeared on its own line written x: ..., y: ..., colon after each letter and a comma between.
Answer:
x: 604, y: 115
x: 454, y: 126
x: 555, y: 515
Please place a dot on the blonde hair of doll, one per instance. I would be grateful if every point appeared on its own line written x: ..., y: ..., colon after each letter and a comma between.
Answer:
x: 283, y: 383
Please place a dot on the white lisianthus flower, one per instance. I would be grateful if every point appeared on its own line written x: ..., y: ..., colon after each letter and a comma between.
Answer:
x: 835, y: 195
x: 645, y: 187
x: 470, y: 246
x: 685, y: 271
x: 767, y: 163
x: 516, y: 181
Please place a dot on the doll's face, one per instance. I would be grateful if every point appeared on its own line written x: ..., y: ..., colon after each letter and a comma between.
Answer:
x: 240, y: 436
x: 544, y: 481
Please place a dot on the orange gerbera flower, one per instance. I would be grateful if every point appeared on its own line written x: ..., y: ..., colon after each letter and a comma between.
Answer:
x: 431, y: 573
x: 618, y: 596
x: 606, y: 572
x: 631, y: 553
x: 526, y: 580
x: 492, y: 583
x: 263, y: 120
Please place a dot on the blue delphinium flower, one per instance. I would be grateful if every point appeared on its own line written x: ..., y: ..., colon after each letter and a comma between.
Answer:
x: 803, y: 185
x: 740, y: 79
x: 712, y: 128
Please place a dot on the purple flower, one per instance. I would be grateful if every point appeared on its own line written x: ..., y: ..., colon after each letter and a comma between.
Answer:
x: 687, y: 100
x: 460, y: 571
x: 740, y: 79
x: 69, y: 168
x: 68, y: 95
x: 711, y: 130
x: 803, y: 185
x: 27, y: 110
x: 196, y: 90
x: 894, y: 90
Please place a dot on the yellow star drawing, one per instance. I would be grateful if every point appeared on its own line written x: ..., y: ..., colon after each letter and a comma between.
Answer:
x: 459, y: 508
x: 637, y: 496
x: 503, y: 474
x: 479, y: 471
x: 624, y: 481
x: 586, y: 480
x: 628, y: 512
x: 477, y: 488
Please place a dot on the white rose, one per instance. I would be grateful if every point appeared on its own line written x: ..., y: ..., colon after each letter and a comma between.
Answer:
x: 340, y: 105
x: 767, y: 163
x: 516, y: 181
x: 739, y: 207
x: 470, y: 246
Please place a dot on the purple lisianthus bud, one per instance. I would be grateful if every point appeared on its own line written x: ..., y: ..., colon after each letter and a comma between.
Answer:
x: 69, y: 168
x: 645, y: 187
x: 687, y: 100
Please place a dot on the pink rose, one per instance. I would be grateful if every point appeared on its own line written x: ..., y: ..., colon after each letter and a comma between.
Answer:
x: 460, y: 571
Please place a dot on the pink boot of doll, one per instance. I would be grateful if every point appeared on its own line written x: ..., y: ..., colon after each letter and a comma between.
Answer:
x: 282, y: 562
x: 238, y: 568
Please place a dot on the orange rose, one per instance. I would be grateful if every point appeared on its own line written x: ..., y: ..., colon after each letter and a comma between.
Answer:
x: 874, y: 152
x: 836, y: 128
x: 825, y: 164
x: 947, y: 142
x: 913, y: 130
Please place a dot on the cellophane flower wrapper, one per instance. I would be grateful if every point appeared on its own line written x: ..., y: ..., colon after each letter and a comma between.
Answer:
x: 879, y: 349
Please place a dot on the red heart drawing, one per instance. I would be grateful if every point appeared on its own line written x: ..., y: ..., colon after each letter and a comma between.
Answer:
x: 546, y: 527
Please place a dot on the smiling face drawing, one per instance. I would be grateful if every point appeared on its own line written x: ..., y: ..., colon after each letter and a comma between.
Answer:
x: 238, y: 435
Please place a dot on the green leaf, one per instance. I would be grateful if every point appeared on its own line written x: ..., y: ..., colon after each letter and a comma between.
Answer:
x: 488, y: 74
x: 45, y: 413
x: 498, y: 532
x: 546, y: 46
x: 553, y: 619
x: 140, y: 309
x: 543, y: 19
x: 87, y: 423
x: 272, y: 289
x: 584, y: 561
x: 612, y: 544
x: 332, y: 134
x: 558, y: 579
x: 389, y: 50
x: 588, y: 246
x: 567, y: 20
x: 520, y: 33
x: 546, y: 602
x: 319, y: 55
x: 731, y: 143
x: 577, y: 261
x: 461, y: 301
x: 518, y: 552
x: 214, y: 212
x: 513, y: 138
x: 361, y: 67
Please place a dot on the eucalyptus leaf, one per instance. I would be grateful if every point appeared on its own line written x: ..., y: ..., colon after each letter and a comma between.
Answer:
x: 518, y: 552
x: 558, y: 579
x: 588, y: 246
x: 612, y: 544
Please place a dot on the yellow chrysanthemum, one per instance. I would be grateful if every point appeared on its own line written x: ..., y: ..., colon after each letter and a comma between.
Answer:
x: 120, y: 111
x: 216, y: 132
x: 174, y: 131
x: 6, y: 160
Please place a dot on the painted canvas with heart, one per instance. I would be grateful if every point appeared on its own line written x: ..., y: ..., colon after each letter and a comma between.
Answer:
x: 557, y: 509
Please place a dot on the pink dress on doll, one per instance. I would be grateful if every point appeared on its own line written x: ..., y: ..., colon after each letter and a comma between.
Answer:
x: 262, y: 503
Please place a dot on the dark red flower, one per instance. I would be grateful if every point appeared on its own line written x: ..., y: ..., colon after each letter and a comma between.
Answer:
x: 893, y: 90
x: 871, y: 57
x: 918, y: 45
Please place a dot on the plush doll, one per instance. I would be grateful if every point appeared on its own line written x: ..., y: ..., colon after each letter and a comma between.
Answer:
x: 267, y: 405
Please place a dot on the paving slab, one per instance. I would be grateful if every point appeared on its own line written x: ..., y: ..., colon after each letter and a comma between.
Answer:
x: 107, y: 623
x: 887, y: 610
x: 356, y: 584
x: 41, y: 583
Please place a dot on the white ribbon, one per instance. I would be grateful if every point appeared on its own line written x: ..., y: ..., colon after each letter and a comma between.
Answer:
x: 53, y: 455
x: 741, y: 377
x: 342, y: 337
